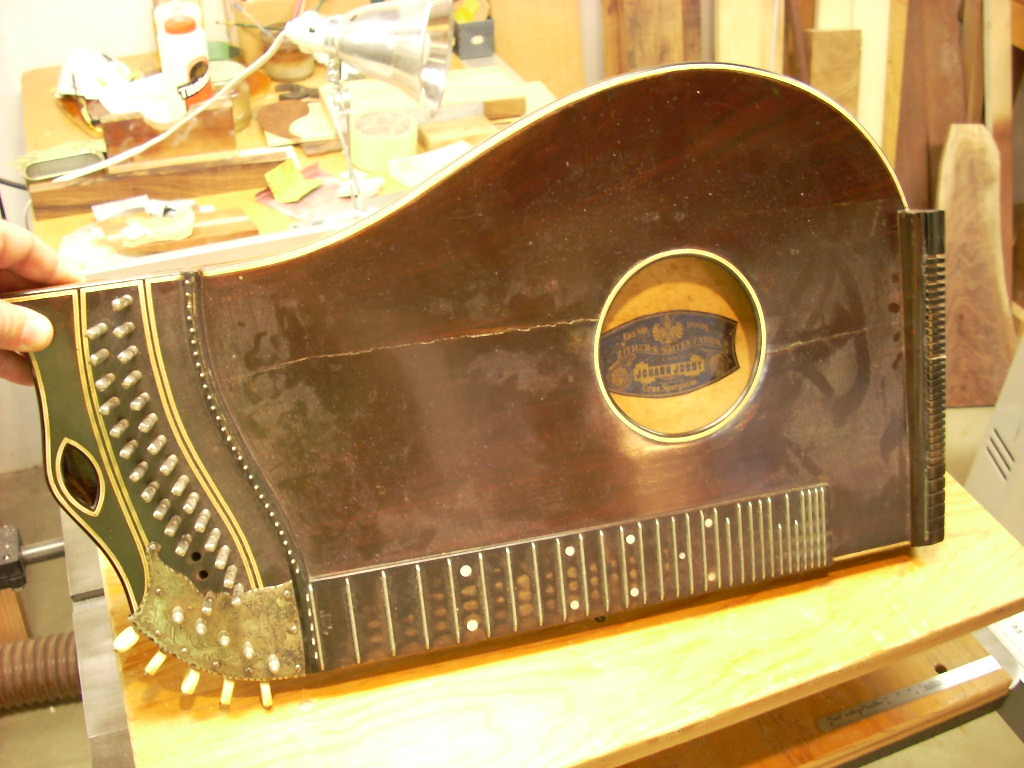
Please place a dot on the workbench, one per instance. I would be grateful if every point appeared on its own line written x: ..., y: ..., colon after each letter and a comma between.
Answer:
x: 734, y: 681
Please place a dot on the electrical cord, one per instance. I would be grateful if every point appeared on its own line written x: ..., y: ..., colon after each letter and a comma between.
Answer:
x: 128, y: 154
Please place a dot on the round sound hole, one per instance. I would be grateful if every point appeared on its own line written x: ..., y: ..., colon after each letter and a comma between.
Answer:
x: 680, y: 345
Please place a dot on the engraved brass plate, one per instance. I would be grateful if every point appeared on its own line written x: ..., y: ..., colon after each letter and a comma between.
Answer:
x: 680, y: 345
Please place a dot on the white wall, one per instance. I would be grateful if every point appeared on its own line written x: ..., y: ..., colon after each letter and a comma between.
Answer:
x: 34, y: 34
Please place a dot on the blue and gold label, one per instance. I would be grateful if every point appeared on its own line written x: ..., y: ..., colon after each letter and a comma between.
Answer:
x: 668, y: 353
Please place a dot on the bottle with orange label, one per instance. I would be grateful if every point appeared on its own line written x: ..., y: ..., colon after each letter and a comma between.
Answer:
x: 181, y: 43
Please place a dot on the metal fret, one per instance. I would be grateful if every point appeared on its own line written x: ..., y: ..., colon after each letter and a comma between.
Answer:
x: 704, y: 547
x: 387, y: 613
x: 350, y: 605
x: 453, y: 592
x: 424, y: 619
x: 624, y: 563
x: 483, y: 594
x: 742, y: 547
x: 728, y: 549
x: 689, y: 553
x: 642, y: 561
x: 661, y: 563
x: 584, y: 576
x: 604, y: 574
x: 511, y: 590
x: 675, y: 555
x: 538, y: 598
x: 560, y: 580
x: 771, y: 538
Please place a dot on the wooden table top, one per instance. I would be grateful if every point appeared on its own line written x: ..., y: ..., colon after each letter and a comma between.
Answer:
x: 603, y: 694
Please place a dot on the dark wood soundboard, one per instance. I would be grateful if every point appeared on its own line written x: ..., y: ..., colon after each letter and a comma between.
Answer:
x: 673, y: 335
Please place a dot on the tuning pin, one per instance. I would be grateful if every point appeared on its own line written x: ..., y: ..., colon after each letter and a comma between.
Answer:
x: 155, y: 663
x: 190, y: 683
x: 126, y: 639
x: 227, y: 691
x: 266, y: 697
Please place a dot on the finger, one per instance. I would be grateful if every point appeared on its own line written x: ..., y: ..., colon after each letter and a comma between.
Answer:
x: 15, y: 367
x: 22, y: 329
x: 24, y: 254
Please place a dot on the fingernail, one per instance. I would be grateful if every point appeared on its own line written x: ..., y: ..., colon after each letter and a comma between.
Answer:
x: 36, y: 333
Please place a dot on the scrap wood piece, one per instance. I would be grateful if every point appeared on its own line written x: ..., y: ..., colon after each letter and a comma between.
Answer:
x: 834, y: 64
x: 980, y: 339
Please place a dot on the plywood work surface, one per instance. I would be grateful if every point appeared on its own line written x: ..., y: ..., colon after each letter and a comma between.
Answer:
x: 605, y: 694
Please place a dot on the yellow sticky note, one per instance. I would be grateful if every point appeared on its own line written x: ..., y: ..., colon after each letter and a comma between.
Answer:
x: 287, y: 184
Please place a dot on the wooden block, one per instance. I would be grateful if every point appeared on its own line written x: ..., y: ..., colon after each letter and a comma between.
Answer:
x: 980, y: 341
x: 895, y: 57
x: 12, y: 620
x: 162, y: 179
x: 212, y: 130
x: 834, y: 56
x: 210, y: 227
x: 999, y: 90
x: 441, y: 134
x: 750, y: 32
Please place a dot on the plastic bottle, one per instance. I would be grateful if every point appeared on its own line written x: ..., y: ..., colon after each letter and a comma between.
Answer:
x: 181, y: 43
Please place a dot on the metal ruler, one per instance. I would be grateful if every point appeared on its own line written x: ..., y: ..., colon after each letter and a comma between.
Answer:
x: 941, y: 682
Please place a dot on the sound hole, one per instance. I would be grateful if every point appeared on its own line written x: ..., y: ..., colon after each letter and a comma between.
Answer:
x: 680, y: 345
x: 79, y: 476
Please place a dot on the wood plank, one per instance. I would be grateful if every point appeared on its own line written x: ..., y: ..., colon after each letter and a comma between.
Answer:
x: 999, y: 113
x: 790, y: 736
x: 980, y: 339
x: 932, y: 95
x: 895, y: 57
x: 541, y: 41
x: 12, y: 619
x: 750, y: 32
x: 835, y: 56
x: 613, y: 692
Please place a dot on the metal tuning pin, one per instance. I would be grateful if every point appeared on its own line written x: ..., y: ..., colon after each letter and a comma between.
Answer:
x: 236, y: 594
x: 139, y: 472
x: 119, y: 429
x: 155, y: 663
x: 169, y: 464
x: 274, y: 664
x: 150, y: 491
x: 191, y: 682
x: 227, y: 692
x: 99, y: 356
x: 131, y: 379
x: 201, y: 627
x: 202, y: 520
x: 266, y: 697
x: 221, y: 560
x: 110, y: 406
x: 148, y: 423
x: 124, y: 330
x: 126, y: 639
x: 94, y: 332
x: 183, y: 545
x: 178, y: 614
x: 140, y: 402
x: 127, y: 354
x: 207, y: 609
x: 180, y: 485
x: 161, y: 509
x: 212, y: 540
x: 248, y: 652
x: 190, y: 503
x: 121, y: 303
x: 172, y: 525
x: 103, y: 382
x: 229, y: 576
x: 157, y: 445
x: 128, y: 449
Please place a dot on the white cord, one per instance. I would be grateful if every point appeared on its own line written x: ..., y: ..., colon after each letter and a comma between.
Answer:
x: 128, y: 154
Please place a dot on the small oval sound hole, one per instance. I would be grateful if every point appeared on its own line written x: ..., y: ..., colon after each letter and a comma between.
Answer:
x: 79, y: 474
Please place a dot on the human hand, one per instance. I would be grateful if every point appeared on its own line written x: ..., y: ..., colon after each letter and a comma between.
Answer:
x: 25, y: 262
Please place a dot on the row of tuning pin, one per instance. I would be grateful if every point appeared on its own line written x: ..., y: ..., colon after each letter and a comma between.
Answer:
x: 129, y: 637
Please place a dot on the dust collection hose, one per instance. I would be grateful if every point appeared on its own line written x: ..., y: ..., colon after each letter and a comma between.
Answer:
x: 39, y: 672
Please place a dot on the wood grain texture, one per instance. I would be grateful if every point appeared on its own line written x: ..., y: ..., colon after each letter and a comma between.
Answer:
x: 835, y: 56
x: 790, y: 736
x: 999, y: 90
x: 611, y: 693
x: 12, y: 619
x: 541, y: 41
x: 750, y: 32
x: 895, y: 57
x: 980, y: 338
x: 932, y: 95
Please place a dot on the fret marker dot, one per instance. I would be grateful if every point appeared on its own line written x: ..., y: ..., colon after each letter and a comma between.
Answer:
x: 570, y: 551
x: 708, y: 522
x: 631, y: 539
x: 466, y: 571
x: 712, y: 577
x: 574, y: 605
x: 634, y: 592
x: 472, y: 625
x: 682, y: 555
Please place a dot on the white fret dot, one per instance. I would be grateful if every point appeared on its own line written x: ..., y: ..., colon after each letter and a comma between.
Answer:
x: 574, y: 605
x: 466, y: 571
x: 708, y: 522
x: 634, y: 592
x: 631, y: 539
x: 472, y: 625
x: 682, y: 555
x: 712, y: 577
x: 570, y: 551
